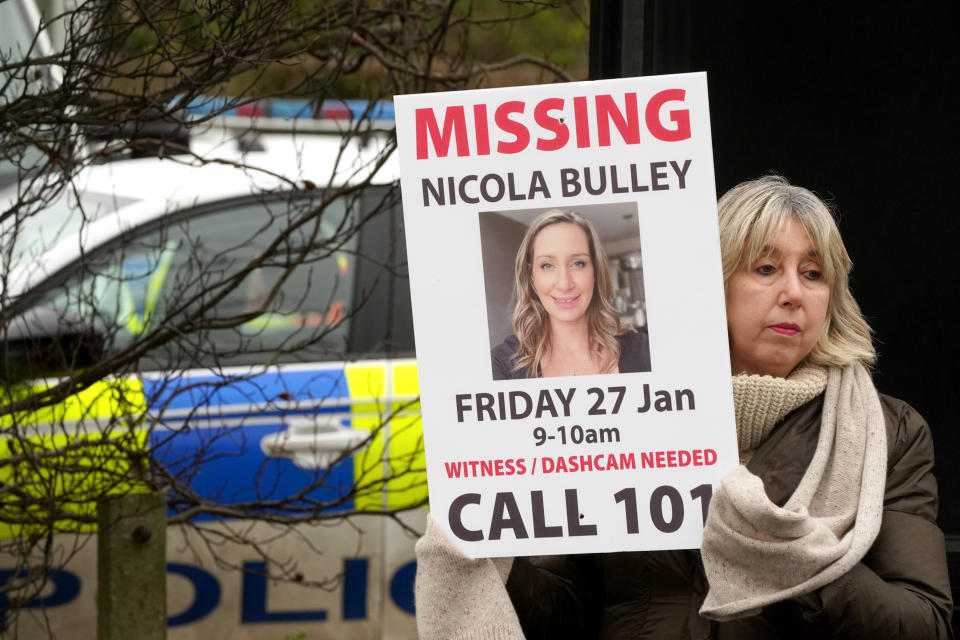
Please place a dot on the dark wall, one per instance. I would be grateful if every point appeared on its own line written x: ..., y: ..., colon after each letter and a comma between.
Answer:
x: 861, y: 107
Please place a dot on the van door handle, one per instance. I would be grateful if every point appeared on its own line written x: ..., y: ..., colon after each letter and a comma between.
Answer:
x: 313, y: 442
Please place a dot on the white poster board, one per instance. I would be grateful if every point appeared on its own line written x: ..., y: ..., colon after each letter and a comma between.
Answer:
x: 571, y: 463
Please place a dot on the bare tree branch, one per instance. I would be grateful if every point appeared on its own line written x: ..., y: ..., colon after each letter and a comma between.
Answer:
x: 116, y: 362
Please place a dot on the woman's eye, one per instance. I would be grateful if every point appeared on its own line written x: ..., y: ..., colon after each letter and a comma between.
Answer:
x: 766, y: 269
x: 812, y: 274
x: 546, y: 266
x: 579, y: 264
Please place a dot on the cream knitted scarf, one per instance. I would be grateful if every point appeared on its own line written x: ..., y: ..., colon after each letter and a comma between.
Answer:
x: 756, y: 553
x: 760, y: 402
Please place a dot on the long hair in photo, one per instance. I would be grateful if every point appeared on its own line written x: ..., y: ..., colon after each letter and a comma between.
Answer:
x: 531, y: 323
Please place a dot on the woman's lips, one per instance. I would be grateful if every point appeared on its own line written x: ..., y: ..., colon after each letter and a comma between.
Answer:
x: 786, y: 329
x: 566, y: 302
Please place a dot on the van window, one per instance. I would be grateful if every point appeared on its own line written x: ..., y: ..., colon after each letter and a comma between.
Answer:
x: 250, y: 281
x: 16, y: 35
x: 19, y: 40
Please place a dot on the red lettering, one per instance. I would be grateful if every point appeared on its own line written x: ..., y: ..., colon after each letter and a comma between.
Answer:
x: 659, y: 459
x: 627, y: 461
x: 453, y: 469
x: 609, y: 114
x: 561, y: 133
x: 628, y: 127
x: 517, y: 129
x: 583, y: 124
x: 480, y: 128
x: 454, y: 124
x: 680, y: 117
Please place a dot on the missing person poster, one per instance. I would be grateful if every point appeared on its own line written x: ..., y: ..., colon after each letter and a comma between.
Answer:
x: 569, y: 313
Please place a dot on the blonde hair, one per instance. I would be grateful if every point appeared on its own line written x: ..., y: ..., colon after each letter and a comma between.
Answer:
x: 531, y: 323
x: 752, y: 213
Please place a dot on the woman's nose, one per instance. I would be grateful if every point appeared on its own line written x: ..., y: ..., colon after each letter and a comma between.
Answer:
x: 566, y: 279
x: 791, y: 293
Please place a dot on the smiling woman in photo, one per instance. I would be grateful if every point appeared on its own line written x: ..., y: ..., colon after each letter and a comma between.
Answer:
x: 564, y: 323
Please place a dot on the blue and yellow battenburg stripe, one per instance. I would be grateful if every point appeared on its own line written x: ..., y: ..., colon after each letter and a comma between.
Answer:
x: 57, y: 460
x: 207, y: 429
x: 395, y: 473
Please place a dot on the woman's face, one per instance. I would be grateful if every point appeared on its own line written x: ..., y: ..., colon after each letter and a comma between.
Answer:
x: 562, y: 271
x: 776, y: 307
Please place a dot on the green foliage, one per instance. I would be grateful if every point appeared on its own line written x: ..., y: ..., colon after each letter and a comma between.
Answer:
x: 556, y: 32
x: 473, y: 33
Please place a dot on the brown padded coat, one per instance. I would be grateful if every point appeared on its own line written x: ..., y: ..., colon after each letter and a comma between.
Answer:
x: 899, y: 590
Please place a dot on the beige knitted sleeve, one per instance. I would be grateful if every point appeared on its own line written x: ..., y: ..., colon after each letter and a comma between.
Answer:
x: 460, y: 598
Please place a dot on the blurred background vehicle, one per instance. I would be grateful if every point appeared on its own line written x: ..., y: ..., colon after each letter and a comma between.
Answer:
x: 292, y: 399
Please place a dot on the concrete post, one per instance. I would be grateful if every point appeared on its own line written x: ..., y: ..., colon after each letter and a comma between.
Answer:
x: 131, y: 567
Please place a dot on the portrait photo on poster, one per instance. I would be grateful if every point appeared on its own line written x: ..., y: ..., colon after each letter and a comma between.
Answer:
x: 564, y: 291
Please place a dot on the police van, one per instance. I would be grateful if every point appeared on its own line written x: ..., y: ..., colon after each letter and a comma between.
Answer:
x: 304, y: 410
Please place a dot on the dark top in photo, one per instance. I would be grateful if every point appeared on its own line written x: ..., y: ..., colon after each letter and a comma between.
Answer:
x: 634, y: 356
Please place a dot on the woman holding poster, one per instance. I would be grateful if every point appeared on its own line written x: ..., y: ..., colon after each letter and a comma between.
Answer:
x: 564, y: 323
x: 828, y: 527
